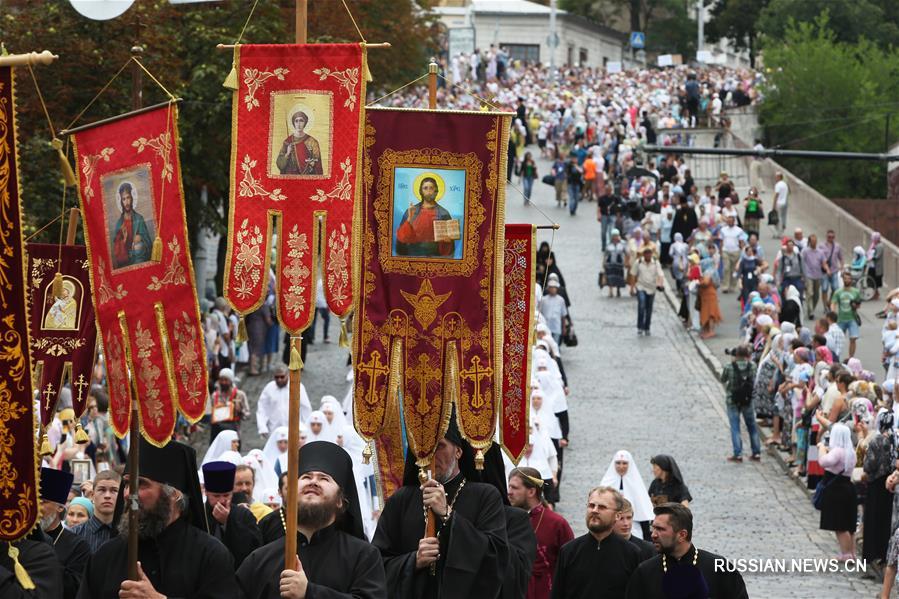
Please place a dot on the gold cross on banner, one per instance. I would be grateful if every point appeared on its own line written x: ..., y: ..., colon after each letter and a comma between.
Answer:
x: 48, y: 394
x: 474, y: 374
x: 423, y: 373
x: 373, y: 369
x: 81, y: 384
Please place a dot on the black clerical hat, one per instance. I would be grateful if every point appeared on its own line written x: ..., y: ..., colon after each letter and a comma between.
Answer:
x: 174, y: 464
x: 333, y: 460
x: 55, y: 485
x: 218, y: 477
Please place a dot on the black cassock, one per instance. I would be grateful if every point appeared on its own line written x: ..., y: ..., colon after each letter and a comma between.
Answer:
x: 72, y: 552
x: 39, y: 560
x: 240, y: 535
x: 474, y: 550
x: 522, y: 553
x: 337, y: 565
x: 182, y: 562
x: 684, y: 580
x: 272, y: 526
x: 647, y: 549
x: 588, y: 568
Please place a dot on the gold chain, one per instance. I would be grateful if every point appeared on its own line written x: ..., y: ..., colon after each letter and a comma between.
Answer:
x: 665, y: 560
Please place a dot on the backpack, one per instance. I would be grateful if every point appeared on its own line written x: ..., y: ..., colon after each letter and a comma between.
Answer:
x: 743, y: 385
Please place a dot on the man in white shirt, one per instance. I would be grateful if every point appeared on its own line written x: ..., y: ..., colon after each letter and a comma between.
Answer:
x: 731, y: 246
x: 781, y: 191
x: 274, y: 403
x: 647, y: 273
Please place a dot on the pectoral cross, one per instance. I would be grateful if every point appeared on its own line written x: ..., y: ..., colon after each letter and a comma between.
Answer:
x: 373, y: 369
x: 474, y: 374
x: 423, y: 373
x: 80, y: 384
x: 48, y: 394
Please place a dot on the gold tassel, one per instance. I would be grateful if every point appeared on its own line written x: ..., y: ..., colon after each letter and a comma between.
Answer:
x: 368, y: 77
x: 231, y: 80
x: 296, y: 360
x: 45, y: 446
x: 156, y: 253
x: 57, y: 285
x: 68, y: 175
x: 479, y: 460
x: 241, y: 331
x: 21, y: 574
x: 80, y: 436
x: 366, y: 453
x: 344, y: 339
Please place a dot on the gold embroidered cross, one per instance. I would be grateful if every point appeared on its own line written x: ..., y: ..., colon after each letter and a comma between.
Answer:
x: 81, y: 384
x: 423, y: 373
x: 48, y: 394
x: 373, y: 369
x: 474, y: 374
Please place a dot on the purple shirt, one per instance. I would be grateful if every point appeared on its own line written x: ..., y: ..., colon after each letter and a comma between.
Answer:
x: 813, y: 262
x: 833, y: 255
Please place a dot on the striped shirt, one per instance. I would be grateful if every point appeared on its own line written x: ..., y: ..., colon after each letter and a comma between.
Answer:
x: 95, y: 533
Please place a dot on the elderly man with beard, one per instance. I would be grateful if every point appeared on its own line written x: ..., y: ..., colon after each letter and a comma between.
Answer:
x: 233, y: 525
x: 334, y: 560
x: 599, y: 563
x: 681, y: 569
x: 469, y: 557
x: 176, y: 555
x: 71, y: 550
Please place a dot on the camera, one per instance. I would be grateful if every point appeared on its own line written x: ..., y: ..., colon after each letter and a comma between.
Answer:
x: 730, y: 351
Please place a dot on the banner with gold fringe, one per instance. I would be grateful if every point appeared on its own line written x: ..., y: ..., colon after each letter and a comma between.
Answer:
x: 18, y: 450
x: 518, y: 328
x: 63, y: 327
x: 129, y: 182
x: 429, y: 319
x: 295, y: 145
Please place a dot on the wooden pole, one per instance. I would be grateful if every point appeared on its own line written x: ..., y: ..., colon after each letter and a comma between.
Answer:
x: 134, y: 431
x: 31, y: 58
x: 432, y: 85
x: 73, y: 226
x: 296, y: 375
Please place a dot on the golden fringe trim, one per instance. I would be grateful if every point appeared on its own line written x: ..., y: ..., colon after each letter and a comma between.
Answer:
x: 21, y: 573
x: 241, y: 330
x: 81, y: 437
x: 296, y: 359
x: 68, y: 174
x: 344, y: 339
x: 156, y: 252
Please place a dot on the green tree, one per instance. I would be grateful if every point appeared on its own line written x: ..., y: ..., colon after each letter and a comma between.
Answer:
x: 823, y: 94
x: 850, y: 21
x: 737, y: 21
x: 669, y: 25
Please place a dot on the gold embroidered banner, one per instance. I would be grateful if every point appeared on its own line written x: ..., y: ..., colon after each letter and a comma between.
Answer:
x: 129, y: 181
x: 295, y: 144
x: 429, y: 320
x: 18, y: 451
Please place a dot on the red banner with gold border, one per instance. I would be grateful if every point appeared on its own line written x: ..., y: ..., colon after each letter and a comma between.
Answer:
x: 129, y: 182
x: 518, y: 329
x: 63, y: 329
x: 429, y: 320
x: 18, y: 451
x: 295, y: 138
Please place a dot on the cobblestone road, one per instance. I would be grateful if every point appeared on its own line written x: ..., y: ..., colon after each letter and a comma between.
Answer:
x: 653, y: 395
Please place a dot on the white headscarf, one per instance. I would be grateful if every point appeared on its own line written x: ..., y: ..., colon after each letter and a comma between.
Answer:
x: 330, y: 430
x: 271, y: 453
x: 219, y: 445
x: 263, y: 472
x: 232, y: 457
x: 545, y: 420
x: 551, y: 385
x: 634, y: 489
x: 841, y: 437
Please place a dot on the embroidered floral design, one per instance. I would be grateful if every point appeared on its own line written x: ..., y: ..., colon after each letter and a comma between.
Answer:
x: 297, y: 272
x: 9, y: 410
x: 189, y: 370
x: 254, y: 78
x: 116, y: 375
x: 348, y: 79
x: 174, y: 272
x: 338, y: 264
x: 250, y: 186
x: 342, y: 191
x: 105, y: 291
x: 248, y: 267
x: 515, y: 319
x: 162, y: 145
x: 57, y: 346
x: 148, y: 373
x: 88, y: 165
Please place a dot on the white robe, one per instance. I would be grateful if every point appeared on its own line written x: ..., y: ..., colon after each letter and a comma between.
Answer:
x: 634, y: 490
x: 274, y: 407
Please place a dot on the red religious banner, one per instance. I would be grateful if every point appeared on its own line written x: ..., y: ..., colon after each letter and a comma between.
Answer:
x: 63, y: 328
x: 429, y: 319
x: 518, y: 328
x: 294, y: 160
x: 129, y: 180
x: 18, y: 451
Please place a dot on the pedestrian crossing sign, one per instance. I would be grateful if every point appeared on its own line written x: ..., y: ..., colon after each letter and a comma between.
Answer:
x: 638, y: 40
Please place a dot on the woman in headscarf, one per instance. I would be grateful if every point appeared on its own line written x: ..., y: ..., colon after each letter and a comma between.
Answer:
x: 263, y: 473
x: 634, y: 244
x: 880, y: 458
x: 791, y: 311
x: 335, y: 421
x: 766, y: 379
x: 226, y: 440
x: 614, y: 263
x: 668, y: 484
x: 875, y: 263
x: 709, y: 310
x: 839, y: 502
x: 679, y: 263
x: 275, y: 447
x: 623, y: 475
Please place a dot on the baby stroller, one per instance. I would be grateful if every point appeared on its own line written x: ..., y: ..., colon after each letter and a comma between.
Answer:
x: 862, y: 279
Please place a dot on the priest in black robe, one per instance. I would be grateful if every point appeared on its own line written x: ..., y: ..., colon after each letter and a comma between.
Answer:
x: 470, y: 556
x: 71, y: 550
x: 233, y: 525
x: 35, y: 555
x: 176, y: 555
x: 681, y: 570
x: 522, y: 553
x: 335, y: 560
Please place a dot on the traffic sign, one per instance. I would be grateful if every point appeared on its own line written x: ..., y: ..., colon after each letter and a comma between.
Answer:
x: 552, y: 40
x: 638, y: 40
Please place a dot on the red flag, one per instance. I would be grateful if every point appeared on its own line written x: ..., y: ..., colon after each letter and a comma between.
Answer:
x: 129, y: 180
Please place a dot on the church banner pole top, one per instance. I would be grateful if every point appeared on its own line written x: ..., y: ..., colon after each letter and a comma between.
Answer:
x: 29, y: 58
